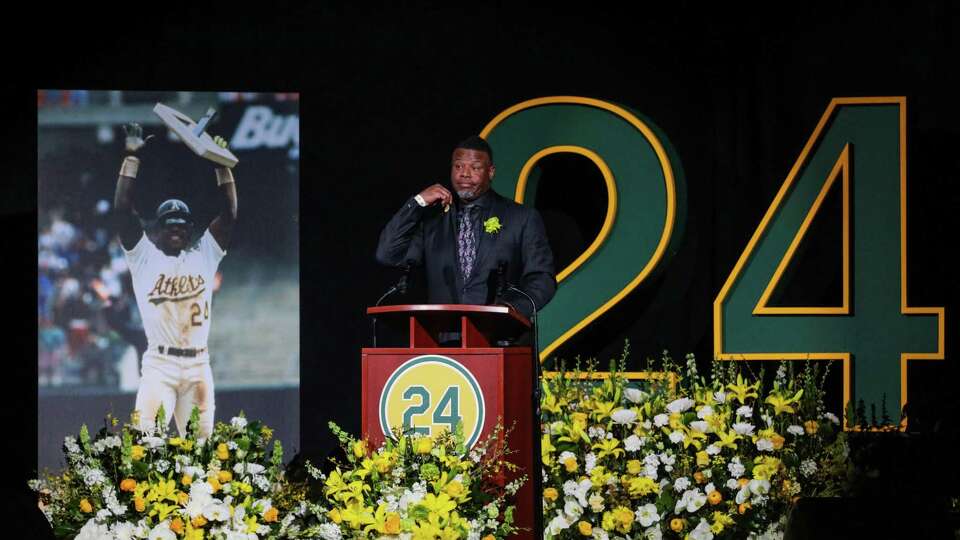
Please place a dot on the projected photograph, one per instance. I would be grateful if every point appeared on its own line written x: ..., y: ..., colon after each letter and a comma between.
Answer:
x: 167, y: 270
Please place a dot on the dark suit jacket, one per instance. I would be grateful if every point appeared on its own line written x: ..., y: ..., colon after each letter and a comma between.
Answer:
x: 428, y: 236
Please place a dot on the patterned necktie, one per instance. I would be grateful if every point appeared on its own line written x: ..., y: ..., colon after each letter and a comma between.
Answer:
x: 467, y: 241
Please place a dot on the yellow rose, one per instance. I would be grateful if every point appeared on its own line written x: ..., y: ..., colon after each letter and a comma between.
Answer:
x: 223, y: 452
x: 634, y: 466
x: 137, y: 452
x: 623, y: 517
x: 714, y: 497
x: 85, y: 506
x: 392, y: 525
x: 570, y: 464
x: 128, y: 484
x: 676, y: 525
x: 742, y: 481
x: 174, y: 441
x: 811, y: 427
x: 777, y: 441
x: 334, y: 516
x: 423, y: 445
x: 550, y: 494
x: 224, y: 476
x: 703, y: 458
x: 177, y: 525
x: 139, y: 504
x: 214, y: 483
x: 198, y: 521
x: 489, y: 537
x: 586, y: 528
x: 742, y: 509
x: 186, y: 480
x: 360, y: 448
x: 454, y: 489
x: 271, y: 515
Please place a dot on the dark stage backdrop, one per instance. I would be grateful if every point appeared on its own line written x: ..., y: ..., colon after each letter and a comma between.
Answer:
x: 385, y: 95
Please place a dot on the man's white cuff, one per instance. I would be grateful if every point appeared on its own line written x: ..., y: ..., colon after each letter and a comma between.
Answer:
x: 419, y: 200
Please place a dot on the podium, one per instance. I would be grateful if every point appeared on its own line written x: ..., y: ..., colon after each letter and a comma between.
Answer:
x: 430, y: 387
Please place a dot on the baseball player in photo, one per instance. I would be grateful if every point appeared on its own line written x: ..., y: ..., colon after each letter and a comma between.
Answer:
x: 173, y: 282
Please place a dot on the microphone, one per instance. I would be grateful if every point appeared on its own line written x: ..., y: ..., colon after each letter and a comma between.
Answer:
x: 399, y: 287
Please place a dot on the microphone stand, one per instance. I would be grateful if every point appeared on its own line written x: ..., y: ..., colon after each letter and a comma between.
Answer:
x: 401, y: 286
x: 537, y: 475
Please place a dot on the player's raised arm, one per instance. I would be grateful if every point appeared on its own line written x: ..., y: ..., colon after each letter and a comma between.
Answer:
x: 126, y: 221
x: 222, y: 226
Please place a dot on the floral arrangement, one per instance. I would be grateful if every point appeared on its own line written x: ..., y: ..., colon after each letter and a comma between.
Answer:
x: 723, y: 457
x: 130, y: 484
x: 420, y: 487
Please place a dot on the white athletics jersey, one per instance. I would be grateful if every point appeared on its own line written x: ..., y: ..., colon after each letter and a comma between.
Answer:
x: 175, y: 294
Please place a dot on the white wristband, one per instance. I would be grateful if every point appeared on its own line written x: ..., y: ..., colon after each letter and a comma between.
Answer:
x: 419, y: 200
x: 130, y: 167
x: 224, y: 176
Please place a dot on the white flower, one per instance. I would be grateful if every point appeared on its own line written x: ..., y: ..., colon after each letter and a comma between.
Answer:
x: 700, y: 425
x: 650, y: 471
x: 93, y: 477
x: 713, y: 450
x: 589, y: 462
x: 743, y: 428
x: 72, y: 448
x: 709, y: 488
x: 667, y: 459
x: 596, y: 503
x: 661, y: 420
x: 732, y: 483
x: 680, y: 405
x: 578, y: 490
x: 600, y: 534
x: 635, y: 395
x: 702, y: 532
x: 596, y: 432
x: 795, y: 430
x: 681, y: 484
x: 744, y: 410
x: 764, y: 445
x: 123, y: 531
x: 632, y: 443
x: 93, y: 531
x: 653, y: 533
x: 624, y: 416
x: 808, y: 467
x: 558, y: 524
x: 162, y: 532
x: 161, y: 465
x: 216, y: 511
x: 102, y: 514
x: 677, y: 436
x: 743, y: 495
x: 736, y: 468
x: 330, y: 531
x: 705, y: 412
x: 767, y: 419
x: 647, y: 515
x: 760, y: 487
x: 232, y: 445
x: 238, y: 422
x: 831, y: 417
x: 719, y: 397
x: 691, y: 500
x: 152, y: 442
x: 248, y: 468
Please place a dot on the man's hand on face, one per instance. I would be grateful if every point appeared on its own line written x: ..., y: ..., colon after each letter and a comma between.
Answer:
x: 437, y: 193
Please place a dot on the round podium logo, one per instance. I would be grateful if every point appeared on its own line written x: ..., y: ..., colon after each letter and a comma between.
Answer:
x: 431, y: 393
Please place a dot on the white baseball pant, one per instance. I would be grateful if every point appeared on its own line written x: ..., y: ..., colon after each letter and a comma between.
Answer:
x: 178, y: 383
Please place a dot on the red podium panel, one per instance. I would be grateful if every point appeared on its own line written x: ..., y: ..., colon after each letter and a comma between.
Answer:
x: 428, y: 387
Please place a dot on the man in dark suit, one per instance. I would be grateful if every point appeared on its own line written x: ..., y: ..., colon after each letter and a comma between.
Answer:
x: 465, y: 241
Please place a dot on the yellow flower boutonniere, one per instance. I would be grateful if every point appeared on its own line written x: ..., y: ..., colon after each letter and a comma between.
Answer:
x: 492, y: 225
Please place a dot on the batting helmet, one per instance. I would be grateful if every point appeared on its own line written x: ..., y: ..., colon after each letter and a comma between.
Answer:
x: 173, y: 211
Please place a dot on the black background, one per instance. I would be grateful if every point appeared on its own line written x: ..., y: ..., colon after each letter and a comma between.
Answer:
x: 385, y: 93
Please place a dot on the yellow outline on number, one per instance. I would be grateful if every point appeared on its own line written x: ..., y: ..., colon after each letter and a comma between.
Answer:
x: 611, y: 197
x: 669, y: 181
x: 905, y: 357
x: 842, y: 165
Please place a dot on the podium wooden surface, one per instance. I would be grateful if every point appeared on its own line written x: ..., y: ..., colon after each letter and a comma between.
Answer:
x: 503, y: 377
